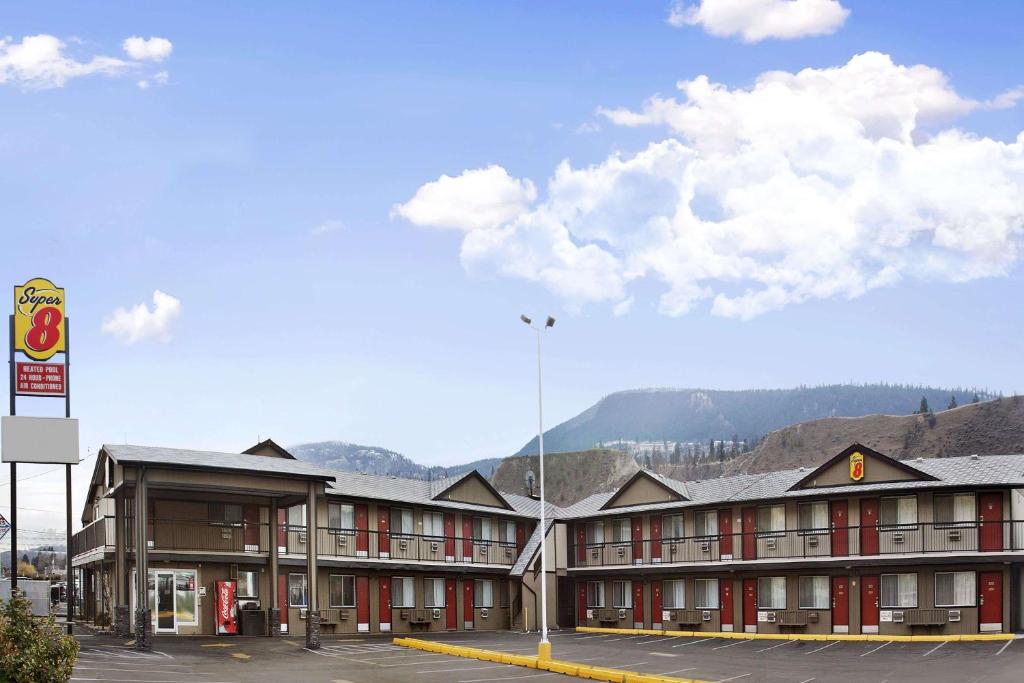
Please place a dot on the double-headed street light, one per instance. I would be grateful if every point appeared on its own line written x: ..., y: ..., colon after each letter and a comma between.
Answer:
x: 544, y: 647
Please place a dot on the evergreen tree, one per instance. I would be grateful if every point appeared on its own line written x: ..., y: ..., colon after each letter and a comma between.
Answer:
x: 976, y: 399
x: 924, y: 409
x: 952, y: 403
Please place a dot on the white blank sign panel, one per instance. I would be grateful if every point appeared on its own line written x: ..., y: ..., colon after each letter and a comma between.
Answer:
x: 47, y: 440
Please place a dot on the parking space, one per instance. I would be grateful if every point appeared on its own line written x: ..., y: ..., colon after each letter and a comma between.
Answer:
x: 783, y: 661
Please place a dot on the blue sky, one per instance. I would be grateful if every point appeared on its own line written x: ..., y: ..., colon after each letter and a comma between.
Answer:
x: 255, y: 180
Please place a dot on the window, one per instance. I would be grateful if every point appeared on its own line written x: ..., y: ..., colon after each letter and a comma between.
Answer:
x: 402, y: 592
x: 298, y: 595
x: 342, y: 590
x: 672, y: 526
x: 898, y: 590
x: 705, y: 593
x: 595, y: 594
x: 622, y: 593
x: 185, y: 596
x: 954, y: 510
x: 433, y: 592
x: 955, y: 589
x: 814, y: 592
x: 483, y: 593
x: 673, y: 594
x: 225, y: 514
x: 110, y: 473
x: 898, y: 512
x: 771, y: 520
x: 433, y: 524
x: 771, y: 592
x: 297, y: 515
x: 705, y: 523
x: 341, y: 516
x: 248, y: 585
x: 401, y: 522
x: 503, y: 594
x: 813, y: 517
x: 508, y: 533
x: 621, y: 531
x: 595, y: 533
x: 481, y: 529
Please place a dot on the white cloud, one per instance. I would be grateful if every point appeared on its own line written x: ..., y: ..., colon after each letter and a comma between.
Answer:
x: 826, y: 183
x: 153, y: 49
x: 756, y: 20
x: 141, y: 323
x: 40, y: 62
x: 327, y: 227
x: 159, y: 78
x: 477, y: 198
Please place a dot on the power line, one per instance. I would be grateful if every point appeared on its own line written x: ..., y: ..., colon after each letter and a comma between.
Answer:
x: 39, y: 474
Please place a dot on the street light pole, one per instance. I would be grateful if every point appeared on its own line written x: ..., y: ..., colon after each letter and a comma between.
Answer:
x: 544, y: 647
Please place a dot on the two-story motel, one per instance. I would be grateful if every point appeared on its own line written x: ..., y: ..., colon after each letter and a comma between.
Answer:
x: 862, y: 544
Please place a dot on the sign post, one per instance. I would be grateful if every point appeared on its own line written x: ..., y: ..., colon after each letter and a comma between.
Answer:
x: 39, y: 330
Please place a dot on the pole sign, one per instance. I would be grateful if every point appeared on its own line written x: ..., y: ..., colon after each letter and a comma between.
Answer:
x: 39, y: 379
x: 39, y: 330
x: 5, y: 526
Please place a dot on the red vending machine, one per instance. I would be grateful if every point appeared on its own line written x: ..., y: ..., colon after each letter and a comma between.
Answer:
x: 227, y: 619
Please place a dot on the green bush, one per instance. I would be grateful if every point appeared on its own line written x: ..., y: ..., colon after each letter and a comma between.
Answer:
x: 33, y: 650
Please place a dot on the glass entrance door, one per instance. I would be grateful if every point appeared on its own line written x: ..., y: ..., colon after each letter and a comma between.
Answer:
x: 165, y: 601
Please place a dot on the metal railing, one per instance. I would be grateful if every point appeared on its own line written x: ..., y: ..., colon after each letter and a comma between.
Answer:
x: 849, y: 541
x: 98, y: 534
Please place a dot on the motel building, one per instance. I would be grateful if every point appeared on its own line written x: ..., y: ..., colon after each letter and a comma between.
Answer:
x: 260, y: 543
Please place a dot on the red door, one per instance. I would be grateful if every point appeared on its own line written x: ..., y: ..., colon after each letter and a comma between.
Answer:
x: 581, y: 590
x: 581, y: 545
x: 282, y: 600
x: 656, y: 605
x: 362, y: 537
x: 384, y: 606
x: 840, y: 604
x: 383, y: 531
x: 638, y: 540
x: 251, y: 514
x: 467, y: 604
x: 520, y: 537
x: 725, y: 600
x: 840, y: 528
x: 467, y: 538
x: 451, y: 605
x: 990, y: 601
x: 868, y: 526
x: 638, y: 604
x: 750, y: 605
x: 990, y: 514
x: 725, y: 534
x: 655, y: 522
x: 449, y: 537
x: 363, y: 604
x: 749, y: 533
x: 869, y: 604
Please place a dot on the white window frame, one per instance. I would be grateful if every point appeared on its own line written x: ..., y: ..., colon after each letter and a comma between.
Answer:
x: 595, y: 534
x: 668, y: 527
x: 777, y: 523
x: 713, y: 593
x: 673, y: 587
x: 305, y: 590
x: 404, y: 517
x: 431, y: 585
x: 700, y: 524
x: 900, y: 524
x: 964, y: 507
x: 899, y: 577
x: 814, y: 529
x: 485, y: 601
x: 776, y: 581
x: 509, y: 529
x: 599, y: 602
x: 255, y: 584
x: 973, y: 592
x: 816, y: 582
x: 435, y: 529
x: 408, y: 592
x: 345, y: 512
x: 330, y: 593
x: 622, y: 589
x: 618, y: 525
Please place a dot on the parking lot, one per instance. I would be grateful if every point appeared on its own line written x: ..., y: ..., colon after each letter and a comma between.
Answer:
x: 373, y: 659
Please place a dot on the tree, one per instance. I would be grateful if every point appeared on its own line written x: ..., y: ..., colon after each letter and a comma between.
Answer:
x: 952, y: 403
x: 976, y: 399
x: 27, y: 570
x: 677, y: 456
x: 924, y: 409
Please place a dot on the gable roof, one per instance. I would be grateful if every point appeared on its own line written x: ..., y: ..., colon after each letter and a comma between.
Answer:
x: 675, y: 489
x: 912, y: 472
x: 272, y: 445
x: 473, y: 474
x: 530, y: 550
x: 179, y: 458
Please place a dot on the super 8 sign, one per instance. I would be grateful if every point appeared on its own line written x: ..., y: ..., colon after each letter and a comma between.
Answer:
x: 39, y: 324
x: 857, y: 466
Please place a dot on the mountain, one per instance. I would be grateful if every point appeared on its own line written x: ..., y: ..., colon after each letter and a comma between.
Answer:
x: 568, y: 477
x: 988, y: 428
x: 350, y: 457
x: 699, y: 415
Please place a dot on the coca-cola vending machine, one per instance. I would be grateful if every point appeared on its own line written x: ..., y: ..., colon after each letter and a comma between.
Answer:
x: 227, y: 619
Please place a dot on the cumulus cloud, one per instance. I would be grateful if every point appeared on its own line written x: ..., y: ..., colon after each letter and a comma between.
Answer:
x: 142, y: 323
x: 826, y: 183
x: 477, y: 198
x: 152, y: 49
x: 40, y: 62
x: 756, y: 20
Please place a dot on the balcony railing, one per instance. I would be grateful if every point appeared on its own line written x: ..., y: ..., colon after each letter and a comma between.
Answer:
x: 851, y: 541
x: 197, y: 535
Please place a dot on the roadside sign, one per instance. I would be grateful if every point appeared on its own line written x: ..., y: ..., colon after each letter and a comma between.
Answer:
x: 39, y: 379
x: 5, y: 526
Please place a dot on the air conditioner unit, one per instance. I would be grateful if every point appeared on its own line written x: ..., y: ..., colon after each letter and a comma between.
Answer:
x: 436, y: 614
x: 483, y: 550
x: 770, y: 544
x: 898, y: 537
x: 508, y: 552
x: 302, y: 613
x: 622, y: 614
x: 483, y: 613
x: 593, y: 552
x: 954, y: 615
x: 342, y: 541
x: 225, y: 533
x: 343, y: 615
x: 672, y: 549
x: 621, y: 551
x: 590, y: 614
x: 433, y: 546
x: 705, y: 547
x: 404, y: 615
x: 954, y: 534
x: 302, y: 537
x: 671, y: 616
x: 770, y: 617
x: 812, y: 541
x: 897, y: 617
x: 403, y: 544
x: 812, y: 617
x: 705, y: 615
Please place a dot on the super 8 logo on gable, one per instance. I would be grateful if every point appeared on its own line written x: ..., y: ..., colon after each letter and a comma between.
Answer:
x: 39, y: 330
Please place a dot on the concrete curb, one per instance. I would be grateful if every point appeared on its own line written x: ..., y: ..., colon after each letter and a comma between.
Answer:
x: 594, y: 673
x: 965, y: 638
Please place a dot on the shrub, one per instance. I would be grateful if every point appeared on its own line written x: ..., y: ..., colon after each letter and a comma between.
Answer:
x: 33, y: 650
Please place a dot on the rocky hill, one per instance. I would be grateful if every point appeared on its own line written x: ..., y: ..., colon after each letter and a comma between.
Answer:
x: 569, y: 477
x: 987, y: 428
x: 350, y: 457
x: 699, y: 415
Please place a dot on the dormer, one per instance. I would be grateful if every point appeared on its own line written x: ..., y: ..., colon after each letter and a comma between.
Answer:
x: 858, y: 465
x: 471, y: 488
x: 270, y: 449
x: 646, y: 488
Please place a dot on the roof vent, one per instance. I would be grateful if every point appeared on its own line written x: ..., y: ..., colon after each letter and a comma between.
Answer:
x: 919, y: 459
x: 974, y: 456
x: 800, y: 469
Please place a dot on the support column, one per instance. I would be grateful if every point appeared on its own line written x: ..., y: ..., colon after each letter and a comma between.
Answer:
x: 143, y: 625
x: 274, y: 615
x: 122, y: 622
x: 313, y: 611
